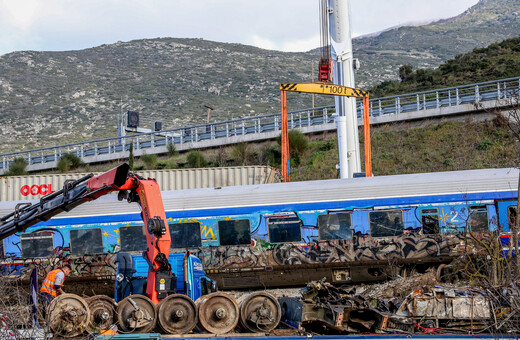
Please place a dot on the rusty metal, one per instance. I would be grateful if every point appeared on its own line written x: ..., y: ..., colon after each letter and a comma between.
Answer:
x: 331, y: 310
x: 447, y: 308
x: 177, y: 314
x: 259, y: 312
x: 68, y: 315
x: 102, y: 312
x: 136, y: 314
x: 218, y: 313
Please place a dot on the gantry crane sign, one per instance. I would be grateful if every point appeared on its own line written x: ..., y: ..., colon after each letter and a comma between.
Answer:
x: 327, y: 89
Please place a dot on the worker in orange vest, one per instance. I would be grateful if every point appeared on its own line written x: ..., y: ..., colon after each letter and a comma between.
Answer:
x: 51, y: 286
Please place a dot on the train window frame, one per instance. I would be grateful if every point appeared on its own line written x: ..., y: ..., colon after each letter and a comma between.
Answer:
x: 348, y: 227
x: 72, y: 250
x: 246, y: 233
x: 121, y: 238
x: 290, y: 219
x: 474, y: 210
x: 429, y: 212
x: 184, y: 245
x: 37, y: 235
x: 370, y: 223
x: 2, y: 249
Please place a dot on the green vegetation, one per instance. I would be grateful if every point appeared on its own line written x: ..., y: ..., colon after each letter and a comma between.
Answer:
x: 68, y: 162
x: 497, y: 61
x: 196, y: 159
x: 17, y: 167
x: 150, y: 161
x: 436, y: 147
x: 171, y: 150
x: 241, y: 154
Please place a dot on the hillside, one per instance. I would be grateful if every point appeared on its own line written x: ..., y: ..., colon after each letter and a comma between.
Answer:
x: 428, y: 46
x: 53, y: 98
x: 497, y: 61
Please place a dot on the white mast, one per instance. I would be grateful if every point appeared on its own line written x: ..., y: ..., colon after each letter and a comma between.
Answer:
x: 341, y: 41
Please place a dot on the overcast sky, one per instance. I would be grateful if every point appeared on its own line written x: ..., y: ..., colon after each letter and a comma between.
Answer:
x: 287, y: 25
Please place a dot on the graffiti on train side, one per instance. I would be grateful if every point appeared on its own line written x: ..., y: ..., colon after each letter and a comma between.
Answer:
x: 102, y: 265
x: 412, y: 246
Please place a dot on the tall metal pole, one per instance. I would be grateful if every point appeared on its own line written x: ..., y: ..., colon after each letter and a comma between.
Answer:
x: 348, y: 139
x: 285, y: 138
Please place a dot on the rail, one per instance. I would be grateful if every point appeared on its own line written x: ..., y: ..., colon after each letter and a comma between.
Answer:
x: 386, y: 106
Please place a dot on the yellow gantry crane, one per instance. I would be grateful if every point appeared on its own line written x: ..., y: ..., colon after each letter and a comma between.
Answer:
x: 326, y: 89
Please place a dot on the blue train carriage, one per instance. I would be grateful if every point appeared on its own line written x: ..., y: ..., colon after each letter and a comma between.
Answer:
x: 285, y: 234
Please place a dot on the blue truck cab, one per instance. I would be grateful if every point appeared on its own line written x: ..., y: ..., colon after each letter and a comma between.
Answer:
x: 132, y: 275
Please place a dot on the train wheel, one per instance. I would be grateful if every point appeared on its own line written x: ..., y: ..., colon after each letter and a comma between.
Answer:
x: 259, y: 312
x: 177, y: 314
x: 218, y: 313
x: 102, y: 312
x: 68, y: 315
x: 136, y: 314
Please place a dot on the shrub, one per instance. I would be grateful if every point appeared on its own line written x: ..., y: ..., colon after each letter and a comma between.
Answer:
x: 240, y: 153
x: 171, y: 150
x: 150, y: 161
x: 68, y: 161
x: 17, y: 167
x: 196, y: 159
x: 270, y: 155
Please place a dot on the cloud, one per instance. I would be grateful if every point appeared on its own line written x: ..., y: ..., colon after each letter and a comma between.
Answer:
x: 288, y: 25
x: 262, y: 42
x: 302, y: 45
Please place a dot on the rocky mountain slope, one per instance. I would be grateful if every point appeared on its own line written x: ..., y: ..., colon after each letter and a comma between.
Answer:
x: 52, y: 98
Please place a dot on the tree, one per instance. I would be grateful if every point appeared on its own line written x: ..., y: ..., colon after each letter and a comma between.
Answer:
x: 406, y: 73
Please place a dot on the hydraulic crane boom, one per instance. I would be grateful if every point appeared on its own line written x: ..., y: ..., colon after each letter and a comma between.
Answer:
x: 130, y: 186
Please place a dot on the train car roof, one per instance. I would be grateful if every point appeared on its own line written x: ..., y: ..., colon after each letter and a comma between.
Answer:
x: 379, y: 187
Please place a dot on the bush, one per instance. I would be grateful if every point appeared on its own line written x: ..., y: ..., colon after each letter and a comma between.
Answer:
x: 270, y: 155
x: 17, y: 167
x: 196, y: 159
x: 240, y: 153
x: 150, y: 161
x: 171, y: 150
x: 69, y: 161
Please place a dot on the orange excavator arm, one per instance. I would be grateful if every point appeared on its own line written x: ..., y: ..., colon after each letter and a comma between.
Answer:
x: 134, y: 188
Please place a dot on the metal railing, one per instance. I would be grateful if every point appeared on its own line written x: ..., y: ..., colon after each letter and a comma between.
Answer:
x: 386, y: 106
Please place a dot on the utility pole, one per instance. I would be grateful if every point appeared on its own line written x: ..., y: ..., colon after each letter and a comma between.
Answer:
x: 209, y: 110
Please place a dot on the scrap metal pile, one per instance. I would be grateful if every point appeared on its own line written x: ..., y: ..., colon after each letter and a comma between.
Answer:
x: 326, y: 309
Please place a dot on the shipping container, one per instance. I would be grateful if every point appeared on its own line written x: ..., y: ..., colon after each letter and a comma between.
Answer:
x: 15, y: 188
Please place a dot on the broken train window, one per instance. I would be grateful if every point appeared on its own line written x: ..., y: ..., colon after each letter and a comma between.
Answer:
x: 335, y: 226
x: 37, y: 244
x: 478, y: 218
x: 133, y: 238
x: 430, y: 221
x: 185, y: 235
x: 86, y: 241
x: 234, y: 232
x: 386, y: 223
x: 284, y: 229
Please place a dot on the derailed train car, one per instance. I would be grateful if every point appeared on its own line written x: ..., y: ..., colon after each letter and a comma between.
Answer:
x: 286, y: 234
